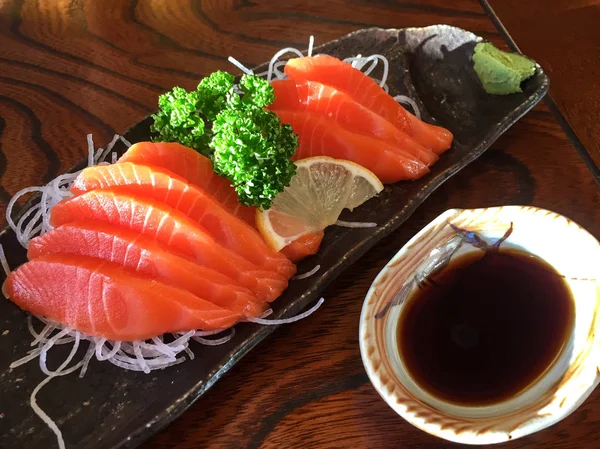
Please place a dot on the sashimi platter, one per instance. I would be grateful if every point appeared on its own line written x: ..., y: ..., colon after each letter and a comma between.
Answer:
x: 134, y: 281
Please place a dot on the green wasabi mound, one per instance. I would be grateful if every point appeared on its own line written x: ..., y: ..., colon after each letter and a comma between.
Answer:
x: 501, y: 73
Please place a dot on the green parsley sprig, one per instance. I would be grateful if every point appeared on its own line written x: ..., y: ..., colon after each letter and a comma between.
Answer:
x: 229, y: 124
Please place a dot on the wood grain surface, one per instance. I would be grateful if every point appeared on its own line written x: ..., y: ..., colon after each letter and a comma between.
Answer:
x: 563, y: 36
x: 68, y: 68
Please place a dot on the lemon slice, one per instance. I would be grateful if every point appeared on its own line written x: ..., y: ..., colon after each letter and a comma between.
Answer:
x: 321, y: 188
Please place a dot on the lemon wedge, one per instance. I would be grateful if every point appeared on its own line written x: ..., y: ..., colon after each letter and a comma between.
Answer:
x: 318, y: 193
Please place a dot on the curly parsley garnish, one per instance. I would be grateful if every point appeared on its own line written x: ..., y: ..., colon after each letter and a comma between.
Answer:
x: 247, y: 144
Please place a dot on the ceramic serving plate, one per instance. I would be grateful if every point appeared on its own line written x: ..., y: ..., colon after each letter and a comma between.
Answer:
x: 113, y: 408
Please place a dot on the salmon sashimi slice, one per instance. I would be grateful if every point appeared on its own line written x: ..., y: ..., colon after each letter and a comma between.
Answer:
x: 152, y: 183
x: 102, y: 299
x: 194, y: 168
x: 318, y: 136
x: 146, y: 258
x: 315, y: 97
x: 342, y: 76
x: 171, y: 228
x: 305, y: 246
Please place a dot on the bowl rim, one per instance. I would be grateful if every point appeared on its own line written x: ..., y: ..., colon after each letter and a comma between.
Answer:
x: 370, y: 346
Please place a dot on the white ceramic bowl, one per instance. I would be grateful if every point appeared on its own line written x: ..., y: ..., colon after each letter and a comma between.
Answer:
x: 570, y: 249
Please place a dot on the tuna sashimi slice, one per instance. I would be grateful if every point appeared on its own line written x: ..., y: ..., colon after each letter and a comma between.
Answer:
x: 102, y: 299
x: 318, y: 136
x: 318, y: 98
x: 364, y: 90
x: 142, y: 181
x: 147, y: 258
x: 172, y: 229
x: 194, y: 168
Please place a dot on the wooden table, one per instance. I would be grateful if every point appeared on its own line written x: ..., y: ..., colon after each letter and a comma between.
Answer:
x: 70, y: 68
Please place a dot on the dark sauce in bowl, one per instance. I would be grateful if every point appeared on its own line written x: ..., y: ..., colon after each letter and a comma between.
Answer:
x: 486, y: 326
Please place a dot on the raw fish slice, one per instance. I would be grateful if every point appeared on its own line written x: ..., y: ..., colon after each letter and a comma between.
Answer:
x: 194, y: 168
x: 171, y: 228
x: 314, y: 97
x: 307, y: 245
x: 103, y: 299
x: 142, y: 181
x: 342, y: 76
x: 146, y: 258
x: 318, y: 136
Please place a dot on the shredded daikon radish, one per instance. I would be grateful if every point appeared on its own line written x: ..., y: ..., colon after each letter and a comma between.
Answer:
x: 4, y: 262
x: 279, y: 74
x: 240, y: 66
x: 12, y: 203
x: 407, y: 100
x: 101, y: 155
x: 140, y: 358
x: 277, y: 56
x: 100, y: 356
x: 86, y: 359
x: 41, y: 338
x: 126, y: 142
x: 167, y: 350
x: 311, y: 43
x: 359, y: 62
x: 207, y: 333
x: 287, y: 320
x: 61, y: 371
x: 307, y: 274
x: 216, y: 341
x: 90, y: 142
x: 36, y: 219
x: 32, y: 354
x: 355, y: 224
x: 354, y: 61
x: 143, y: 356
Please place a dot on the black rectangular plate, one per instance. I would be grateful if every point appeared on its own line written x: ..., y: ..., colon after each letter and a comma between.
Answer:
x: 113, y: 408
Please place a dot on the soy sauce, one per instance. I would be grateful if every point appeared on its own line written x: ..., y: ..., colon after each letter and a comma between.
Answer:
x: 485, y: 327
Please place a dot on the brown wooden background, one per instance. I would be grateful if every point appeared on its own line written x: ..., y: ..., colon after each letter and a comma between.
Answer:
x: 68, y: 68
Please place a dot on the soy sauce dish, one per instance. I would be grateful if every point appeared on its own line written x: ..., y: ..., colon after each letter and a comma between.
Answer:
x: 483, y: 328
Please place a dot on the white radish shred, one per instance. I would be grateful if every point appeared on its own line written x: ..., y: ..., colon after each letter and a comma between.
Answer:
x: 33, y: 398
x: 126, y: 142
x: 90, y: 142
x: 11, y: 205
x: 45, y: 332
x: 36, y: 219
x: 32, y: 354
x: 207, y: 333
x: 354, y: 61
x: 307, y: 274
x: 101, y: 155
x: 407, y: 100
x: 276, y: 57
x: 138, y: 354
x: 311, y: 43
x: 100, y: 355
x: 240, y: 66
x: 287, y: 320
x: 355, y: 224
x: 86, y: 360
x: 359, y: 62
x: 4, y: 262
x: 216, y: 341
x: 143, y: 356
